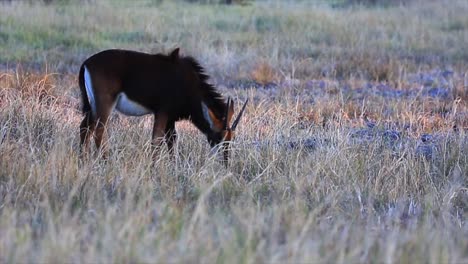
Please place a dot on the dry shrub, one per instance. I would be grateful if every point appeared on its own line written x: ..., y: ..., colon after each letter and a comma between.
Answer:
x: 227, y: 2
x: 358, y: 110
x: 461, y: 91
x: 368, y: 66
x: 309, y: 117
x: 29, y: 85
x: 378, y: 2
x: 321, y: 113
x: 263, y: 73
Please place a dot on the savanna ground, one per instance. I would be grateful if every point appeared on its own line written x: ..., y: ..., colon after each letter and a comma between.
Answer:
x: 353, y: 147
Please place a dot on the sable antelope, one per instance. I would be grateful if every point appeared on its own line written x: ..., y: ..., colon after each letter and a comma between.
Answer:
x: 171, y: 87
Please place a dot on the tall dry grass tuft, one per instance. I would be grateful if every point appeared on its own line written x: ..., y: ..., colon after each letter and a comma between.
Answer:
x: 264, y: 74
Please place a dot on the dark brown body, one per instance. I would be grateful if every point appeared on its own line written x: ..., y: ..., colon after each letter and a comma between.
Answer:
x: 168, y: 86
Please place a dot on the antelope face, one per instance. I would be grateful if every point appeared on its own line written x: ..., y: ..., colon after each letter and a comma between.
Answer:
x: 222, y: 132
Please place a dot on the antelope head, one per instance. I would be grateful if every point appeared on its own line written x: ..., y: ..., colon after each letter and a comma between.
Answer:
x: 222, y: 131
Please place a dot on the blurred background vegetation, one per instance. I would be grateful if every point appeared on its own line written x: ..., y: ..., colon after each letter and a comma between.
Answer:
x: 369, y: 39
x: 335, y: 2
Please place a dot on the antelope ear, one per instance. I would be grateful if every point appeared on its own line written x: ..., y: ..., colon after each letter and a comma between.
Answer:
x: 174, y: 54
x: 210, y: 118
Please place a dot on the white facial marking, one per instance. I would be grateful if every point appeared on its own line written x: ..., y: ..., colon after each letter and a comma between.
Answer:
x: 89, y: 91
x: 129, y: 107
x: 206, y: 115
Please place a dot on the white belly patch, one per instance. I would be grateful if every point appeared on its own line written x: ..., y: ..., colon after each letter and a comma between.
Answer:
x: 129, y: 107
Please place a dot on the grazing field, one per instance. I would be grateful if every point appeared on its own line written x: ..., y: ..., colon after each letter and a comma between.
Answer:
x: 353, y: 147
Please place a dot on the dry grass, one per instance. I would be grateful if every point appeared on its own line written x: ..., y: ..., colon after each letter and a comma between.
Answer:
x: 334, y: 168
x: 322, y: 189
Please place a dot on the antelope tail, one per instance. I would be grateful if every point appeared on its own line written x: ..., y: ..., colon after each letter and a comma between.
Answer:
x: 84, y: 95
x: 87, y: 92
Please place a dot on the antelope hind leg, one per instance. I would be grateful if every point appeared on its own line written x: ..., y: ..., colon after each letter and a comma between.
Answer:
x: 86, y: 131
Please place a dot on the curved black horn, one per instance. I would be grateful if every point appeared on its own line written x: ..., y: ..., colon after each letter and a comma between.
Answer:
x: 236, y: 122
x: 226, y: 113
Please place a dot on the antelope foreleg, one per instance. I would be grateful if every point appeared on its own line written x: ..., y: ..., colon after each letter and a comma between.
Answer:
x: 159, y: 131
x: 171, y: 137
x: 101, y: 138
